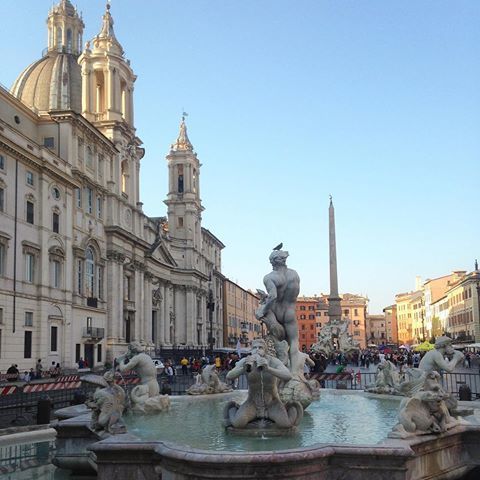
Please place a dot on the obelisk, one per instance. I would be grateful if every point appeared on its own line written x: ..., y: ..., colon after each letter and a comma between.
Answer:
x: 334, y: 307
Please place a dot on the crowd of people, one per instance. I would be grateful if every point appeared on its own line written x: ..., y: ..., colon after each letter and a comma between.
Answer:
x: 13, y: 374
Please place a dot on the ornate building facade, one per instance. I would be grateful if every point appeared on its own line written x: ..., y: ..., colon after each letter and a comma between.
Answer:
x: 83, y: 270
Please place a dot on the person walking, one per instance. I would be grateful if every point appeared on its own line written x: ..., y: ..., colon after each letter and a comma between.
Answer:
x: 184, y: 363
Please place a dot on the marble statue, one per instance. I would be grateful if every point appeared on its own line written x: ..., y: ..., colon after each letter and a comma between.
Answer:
x: 277, y: 307
x: 387, y: 379
x: 426, y: 412
x: 145, y: 397
x: 335, y: 330
x: 263, y: 408
x: 107, y: 403
x: 298, y: 388
x: 208, y: 383
x: 277, y: 310
x: 442, y: 358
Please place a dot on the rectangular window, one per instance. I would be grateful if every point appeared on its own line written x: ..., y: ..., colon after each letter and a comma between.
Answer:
x: 27, y: 345
x: 100, y: 282
x: 99, y: 207
x: 1, y: 316
x: 29, y: 267
x: 89, y: 194
x: 78, y: 196
x: 56, y: 273
x: 81, y: 150
x: 30, y: 212
x: 100, y: 166
x: 53, y: 338
x: 49, y: 142
x: 79, y: 276
x: 29, y: 319
x: 0, y: 343
x: 356, y: 312
x: 99, y: 352
x: 2, y: 258
x: 2, y: 162
x: 29, y: 178
x: 55, y: 222
x: 180, y: 222
x: 77, y: 352
x: 2, y: 199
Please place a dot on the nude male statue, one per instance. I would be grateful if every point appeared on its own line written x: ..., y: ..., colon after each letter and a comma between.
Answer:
x: 283, y: 287
x: 434, y: 360
x: 136, y: 359
x: 263, y: 372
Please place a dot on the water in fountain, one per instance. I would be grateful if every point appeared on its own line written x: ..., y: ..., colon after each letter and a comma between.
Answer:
x: 335, y: 418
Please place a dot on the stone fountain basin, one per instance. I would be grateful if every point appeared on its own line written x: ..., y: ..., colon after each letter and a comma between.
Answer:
x: 447, y: 456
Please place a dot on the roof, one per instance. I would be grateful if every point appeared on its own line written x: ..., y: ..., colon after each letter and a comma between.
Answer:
x: 52, y: 83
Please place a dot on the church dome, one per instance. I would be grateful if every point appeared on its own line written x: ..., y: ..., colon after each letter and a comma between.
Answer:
x: 55, y: 81
x: 52, y: 83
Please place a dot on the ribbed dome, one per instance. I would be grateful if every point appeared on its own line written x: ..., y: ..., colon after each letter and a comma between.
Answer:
x: 52, y: 83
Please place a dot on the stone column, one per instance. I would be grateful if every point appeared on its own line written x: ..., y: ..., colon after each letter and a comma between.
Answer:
x: 147, y: 308
x: 334, y: 307
x: 190, y: 320
x: 130, y: 106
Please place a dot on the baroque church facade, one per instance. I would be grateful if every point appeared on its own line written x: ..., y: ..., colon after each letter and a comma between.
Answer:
x: 83, y: 270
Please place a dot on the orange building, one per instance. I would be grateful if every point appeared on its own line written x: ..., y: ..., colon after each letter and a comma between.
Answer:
x: 307, y: 321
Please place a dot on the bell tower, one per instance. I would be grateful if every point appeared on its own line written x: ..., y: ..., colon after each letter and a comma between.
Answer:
x: 65, y: 29
x: 107, y: 78
x: 183, y: 199
x: 107, y: 101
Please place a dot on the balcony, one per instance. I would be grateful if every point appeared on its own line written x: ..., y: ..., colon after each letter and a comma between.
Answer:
x: 92, y: 302
x: 93, y: 334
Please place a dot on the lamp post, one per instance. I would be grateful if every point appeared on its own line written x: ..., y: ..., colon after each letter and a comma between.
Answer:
x: 210, y: 308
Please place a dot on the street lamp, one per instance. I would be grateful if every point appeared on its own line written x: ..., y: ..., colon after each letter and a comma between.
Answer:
x: 423, y: 318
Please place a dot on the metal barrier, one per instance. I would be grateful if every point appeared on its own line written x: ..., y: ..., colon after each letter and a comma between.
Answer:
x: 20, y: 457
x: 18, y: 404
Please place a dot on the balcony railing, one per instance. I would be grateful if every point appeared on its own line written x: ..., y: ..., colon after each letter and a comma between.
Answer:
x: 93, y: 333
x: 92, y: 302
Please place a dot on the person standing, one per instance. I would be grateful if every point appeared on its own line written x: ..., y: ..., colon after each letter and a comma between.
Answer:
x: 39, y: 369
x: 184, y: 364
x: 169, y: 372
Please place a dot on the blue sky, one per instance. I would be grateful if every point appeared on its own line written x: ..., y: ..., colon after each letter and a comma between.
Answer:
x: 375, y: 102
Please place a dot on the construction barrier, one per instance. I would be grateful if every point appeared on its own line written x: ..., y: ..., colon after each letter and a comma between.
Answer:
x: 46, y: 387
x: 7, y: 390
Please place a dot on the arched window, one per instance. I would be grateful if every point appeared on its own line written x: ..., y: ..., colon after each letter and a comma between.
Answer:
x: 89, y: 157
x: 194, y: 181
x: 90, y: 271
x: 180, y: 178
x: 69, y: 40
x: 59, y: 38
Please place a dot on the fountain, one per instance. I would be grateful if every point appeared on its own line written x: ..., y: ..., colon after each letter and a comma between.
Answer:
x: 341, y: 435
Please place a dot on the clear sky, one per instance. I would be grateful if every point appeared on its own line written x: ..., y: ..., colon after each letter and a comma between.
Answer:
x: 375, y: 102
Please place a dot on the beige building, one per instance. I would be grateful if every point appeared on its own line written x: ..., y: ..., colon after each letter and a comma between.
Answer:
x: 239, y: 322
x: 376, y: 330
x: 355, y: 307
x: 435, y: 289
x: 83, y: 270
x: 409, y: 316
x: 463, y: 322
x: 391, y: 323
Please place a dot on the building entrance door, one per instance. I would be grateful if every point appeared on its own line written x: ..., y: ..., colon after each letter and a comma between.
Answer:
x: 89, y: 354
